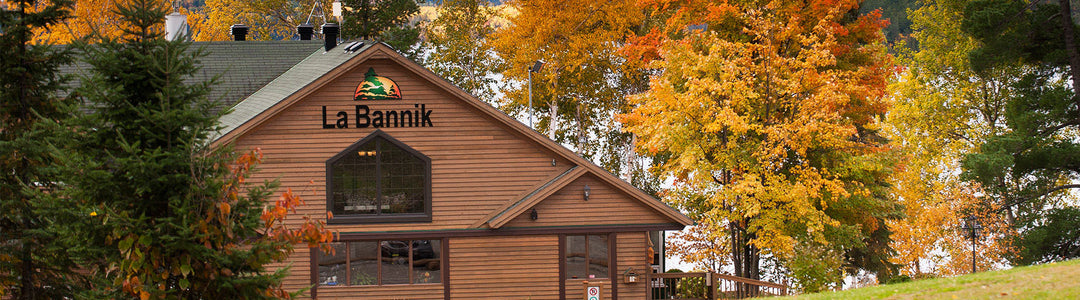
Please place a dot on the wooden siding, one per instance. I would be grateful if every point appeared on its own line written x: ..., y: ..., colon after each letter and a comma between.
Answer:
x: 633, y: 253
x: 631, y: 250
x: 575, y: 289
x: 606, y: 206
x: 299, y: 264
x: 509, y: 267
x: 385, y: 292
x: 477, y: 164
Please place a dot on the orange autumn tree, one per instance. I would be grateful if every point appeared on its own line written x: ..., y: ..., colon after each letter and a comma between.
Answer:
x: 101, y: 18
x: 268, y: 20
x: 87, y: 16
x: 765, y: 114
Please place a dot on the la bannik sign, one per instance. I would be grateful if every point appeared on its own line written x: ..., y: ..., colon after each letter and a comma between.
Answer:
x: 376, y: 87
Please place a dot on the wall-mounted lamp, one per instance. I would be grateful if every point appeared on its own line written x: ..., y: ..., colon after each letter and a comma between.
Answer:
x: 534, y: 215
x: 552, y: 162
x: 535, y: 68
x: 587, y: 192
x: 630, y: 276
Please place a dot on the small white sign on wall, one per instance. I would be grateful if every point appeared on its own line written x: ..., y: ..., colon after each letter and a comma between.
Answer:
x: 592, y: 293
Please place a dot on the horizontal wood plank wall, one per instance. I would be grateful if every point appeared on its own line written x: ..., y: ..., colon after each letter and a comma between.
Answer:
x: 386, y: 292
x: 505, y: 267
x: 477, y: 165
x: 606, y: 206
x: 633, y: 253
x: 298, y: 264
x: 575, y: 289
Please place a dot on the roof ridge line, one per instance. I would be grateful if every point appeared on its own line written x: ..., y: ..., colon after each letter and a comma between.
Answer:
x: 534, y: 192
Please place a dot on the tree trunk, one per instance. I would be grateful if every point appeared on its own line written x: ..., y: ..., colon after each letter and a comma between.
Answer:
x: 1070, y: 46
x: 554, y: 106
x: 745, y: 258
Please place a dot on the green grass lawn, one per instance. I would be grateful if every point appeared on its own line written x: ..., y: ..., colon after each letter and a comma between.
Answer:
x: 1049, y: 281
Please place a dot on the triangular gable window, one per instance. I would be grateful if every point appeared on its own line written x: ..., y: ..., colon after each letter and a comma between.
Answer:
x: 378, y: 180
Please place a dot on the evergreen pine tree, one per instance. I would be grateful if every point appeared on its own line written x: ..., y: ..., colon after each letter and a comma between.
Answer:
x: 164, y: 215
x: 32, y: 264
x: 385, y: 21
x: 1032, y: 168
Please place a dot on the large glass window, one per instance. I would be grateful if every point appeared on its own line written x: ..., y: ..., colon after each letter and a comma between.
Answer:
x: 381, y: 263
x: 379, y: 179
x: 586, y: 256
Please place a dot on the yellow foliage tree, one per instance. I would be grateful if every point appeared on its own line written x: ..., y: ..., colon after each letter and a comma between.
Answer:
x: 267, y: 20
x: 583, y: 81
x: 765, y: 114
x: 942, y: 110
x: 87, y: 17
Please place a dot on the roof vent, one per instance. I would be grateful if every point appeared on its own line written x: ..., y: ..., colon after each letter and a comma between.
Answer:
x: 239, y: 31
x: 305, y: 31
x: 354, y: 46
x: 175, y: 26
x: 330, y: 32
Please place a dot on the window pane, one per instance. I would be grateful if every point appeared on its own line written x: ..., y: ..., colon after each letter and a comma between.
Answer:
x: 395, y: 262
x: 364, y: 263
x: 354, y: 181
x: 426, y: 268
x: 598, y: 256
x: 332, y: 266
x: 403, y: 180
x: 575, y: 256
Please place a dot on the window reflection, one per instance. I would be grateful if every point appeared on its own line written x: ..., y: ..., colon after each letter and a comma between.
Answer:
x: 381, y: 263
x: 587, y: 256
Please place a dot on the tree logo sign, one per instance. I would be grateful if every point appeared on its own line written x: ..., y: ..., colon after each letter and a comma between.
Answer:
x: 375, y: 87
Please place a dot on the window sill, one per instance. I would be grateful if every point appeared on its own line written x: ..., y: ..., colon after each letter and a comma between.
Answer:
x: 361, y: 219
x: 322, y: 286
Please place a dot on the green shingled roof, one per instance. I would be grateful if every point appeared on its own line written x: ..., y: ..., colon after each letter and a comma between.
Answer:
x: 245, y: 66
x: 300, y: 75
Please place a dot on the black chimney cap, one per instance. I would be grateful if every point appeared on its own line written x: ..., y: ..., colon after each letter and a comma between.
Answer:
x: 239, y: 31
x: 305, y: 31
x: 330, y: 34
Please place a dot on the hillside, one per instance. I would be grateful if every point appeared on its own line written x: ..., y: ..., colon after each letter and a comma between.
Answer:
x: 1048, y: 281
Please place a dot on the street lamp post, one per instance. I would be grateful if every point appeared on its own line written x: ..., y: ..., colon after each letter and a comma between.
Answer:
x: 972, y: 225
x: 533, y: 69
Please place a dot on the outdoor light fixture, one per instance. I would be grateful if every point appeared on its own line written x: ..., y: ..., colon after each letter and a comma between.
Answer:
x: 534, y: 215
x: 535, y: 68
x: 972, y: 224
x: 630, y: 276
x: 586, y: 192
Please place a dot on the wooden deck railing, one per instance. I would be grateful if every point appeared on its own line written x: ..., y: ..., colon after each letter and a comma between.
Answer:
x: 709, y: 286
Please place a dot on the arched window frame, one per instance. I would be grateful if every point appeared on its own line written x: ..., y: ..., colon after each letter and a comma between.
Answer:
x: 379, y: 218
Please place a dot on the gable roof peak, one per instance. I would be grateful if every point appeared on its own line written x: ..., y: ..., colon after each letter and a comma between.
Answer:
x: 306, y: 77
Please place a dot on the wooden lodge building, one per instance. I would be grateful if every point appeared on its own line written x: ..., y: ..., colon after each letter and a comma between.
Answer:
x: 434, y: 193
